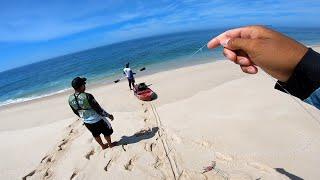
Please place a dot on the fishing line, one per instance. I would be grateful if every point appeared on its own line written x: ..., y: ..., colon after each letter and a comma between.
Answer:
x: 303, y: 106
x: 296, y: 100
x: 200, y: 49
x: 299, y: 102
x: 291, y: 96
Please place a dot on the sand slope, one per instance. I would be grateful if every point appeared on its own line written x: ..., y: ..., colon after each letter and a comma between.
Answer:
x: 209, y: 115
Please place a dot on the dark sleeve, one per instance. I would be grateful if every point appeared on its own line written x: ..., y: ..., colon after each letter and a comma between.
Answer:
x: 95, y: 106
x: 306, y: 77
x: 75, y: 111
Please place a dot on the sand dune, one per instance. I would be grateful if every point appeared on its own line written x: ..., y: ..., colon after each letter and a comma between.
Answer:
x: 210, y: 121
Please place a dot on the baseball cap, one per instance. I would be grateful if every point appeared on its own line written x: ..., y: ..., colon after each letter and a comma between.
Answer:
x: 78, y: 82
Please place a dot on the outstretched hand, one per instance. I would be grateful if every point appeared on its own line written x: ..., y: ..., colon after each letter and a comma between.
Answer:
x: 254, y: 46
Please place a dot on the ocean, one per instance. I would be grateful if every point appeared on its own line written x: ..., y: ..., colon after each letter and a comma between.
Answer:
x: 104, y: 64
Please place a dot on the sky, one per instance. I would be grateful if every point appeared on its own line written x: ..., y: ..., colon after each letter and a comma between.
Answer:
x: 35, y: 30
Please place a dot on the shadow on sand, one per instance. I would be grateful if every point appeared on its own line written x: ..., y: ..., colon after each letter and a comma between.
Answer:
x: 137, y: 137
x: 286, y: 173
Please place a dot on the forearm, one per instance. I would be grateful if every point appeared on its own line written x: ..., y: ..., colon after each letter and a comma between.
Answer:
x: 95, y: 106
x: 75, y: 111
x: 99, y: 110
x: 306, y: 77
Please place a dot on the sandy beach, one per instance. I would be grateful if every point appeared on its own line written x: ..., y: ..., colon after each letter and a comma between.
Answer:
x: 207, y: 115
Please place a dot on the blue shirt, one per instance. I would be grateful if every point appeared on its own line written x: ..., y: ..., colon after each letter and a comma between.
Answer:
x: 314, y: 99
x: 128, y: 72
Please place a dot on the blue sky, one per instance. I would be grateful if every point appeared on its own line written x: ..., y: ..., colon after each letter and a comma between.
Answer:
x: 34, y: 30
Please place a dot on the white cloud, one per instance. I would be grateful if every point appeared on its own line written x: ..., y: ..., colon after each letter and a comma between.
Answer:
x: 41, y: 21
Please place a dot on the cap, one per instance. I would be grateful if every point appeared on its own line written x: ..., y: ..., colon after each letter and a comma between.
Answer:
x: 78, y: 82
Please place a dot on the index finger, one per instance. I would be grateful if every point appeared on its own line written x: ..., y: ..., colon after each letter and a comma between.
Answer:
x: 223, y: 38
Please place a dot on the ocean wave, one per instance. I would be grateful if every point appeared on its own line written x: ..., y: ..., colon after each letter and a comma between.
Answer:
x: 25, y: 99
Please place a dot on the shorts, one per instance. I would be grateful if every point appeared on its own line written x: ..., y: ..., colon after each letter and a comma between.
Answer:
x: 100, y: 127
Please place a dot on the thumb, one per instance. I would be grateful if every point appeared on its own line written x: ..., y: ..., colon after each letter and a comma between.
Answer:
x: 239, y: 44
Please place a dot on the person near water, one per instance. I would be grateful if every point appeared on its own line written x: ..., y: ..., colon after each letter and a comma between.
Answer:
x: 129, y: 74
x: 295, y: 66
x: 94, y: 117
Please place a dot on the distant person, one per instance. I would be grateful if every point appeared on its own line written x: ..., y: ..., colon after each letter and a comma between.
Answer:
x: 295, y: 66
x: 129, y: 74
x: 86, y: 107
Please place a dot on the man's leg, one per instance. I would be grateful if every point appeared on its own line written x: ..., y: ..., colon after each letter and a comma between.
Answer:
x: 129, y: 84
x: 99, y: 141
x: 108, y: 138
x: 132, y: 81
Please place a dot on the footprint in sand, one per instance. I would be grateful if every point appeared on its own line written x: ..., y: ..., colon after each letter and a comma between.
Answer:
x: 260, y: 166
x: 149, y: 147
x: 175, y: 138
x: 108, y: 165
x: 73, y: 175
x: 158, y: 163
x: 49, y: 160
x: 124, y: 147
x: 205, y: 144
x: 89, y: 154
x: 130, y: 164
x: 47, y: 174
x: 71, y: 132
x: 223, y: 157
x: 44, y: 158
x: 29, y: 175
x: 60, y: 146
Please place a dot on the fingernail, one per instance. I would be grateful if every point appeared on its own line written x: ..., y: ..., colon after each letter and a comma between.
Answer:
x: 251, y: 70
x: 225, y: 42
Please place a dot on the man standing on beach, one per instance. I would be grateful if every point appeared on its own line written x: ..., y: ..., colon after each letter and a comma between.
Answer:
x: 129, y: 74
x: 86, y: 107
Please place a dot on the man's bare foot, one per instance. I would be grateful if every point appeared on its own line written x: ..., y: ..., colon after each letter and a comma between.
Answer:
x: 112, y: 144
x: 105, y: 146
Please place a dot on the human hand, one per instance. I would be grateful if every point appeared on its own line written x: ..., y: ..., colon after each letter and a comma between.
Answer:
x: 254, y: 46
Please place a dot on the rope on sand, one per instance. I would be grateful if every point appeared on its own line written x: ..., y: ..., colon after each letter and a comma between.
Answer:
x: 173, y: 163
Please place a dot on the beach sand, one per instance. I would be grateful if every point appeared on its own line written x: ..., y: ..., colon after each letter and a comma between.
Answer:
x: 208, y: 115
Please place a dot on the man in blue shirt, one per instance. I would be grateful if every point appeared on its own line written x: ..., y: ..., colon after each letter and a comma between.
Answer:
x: 129, y: 74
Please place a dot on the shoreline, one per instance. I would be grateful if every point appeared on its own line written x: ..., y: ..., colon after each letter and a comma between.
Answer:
x: 108, y: 80
x: 61, y: 108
